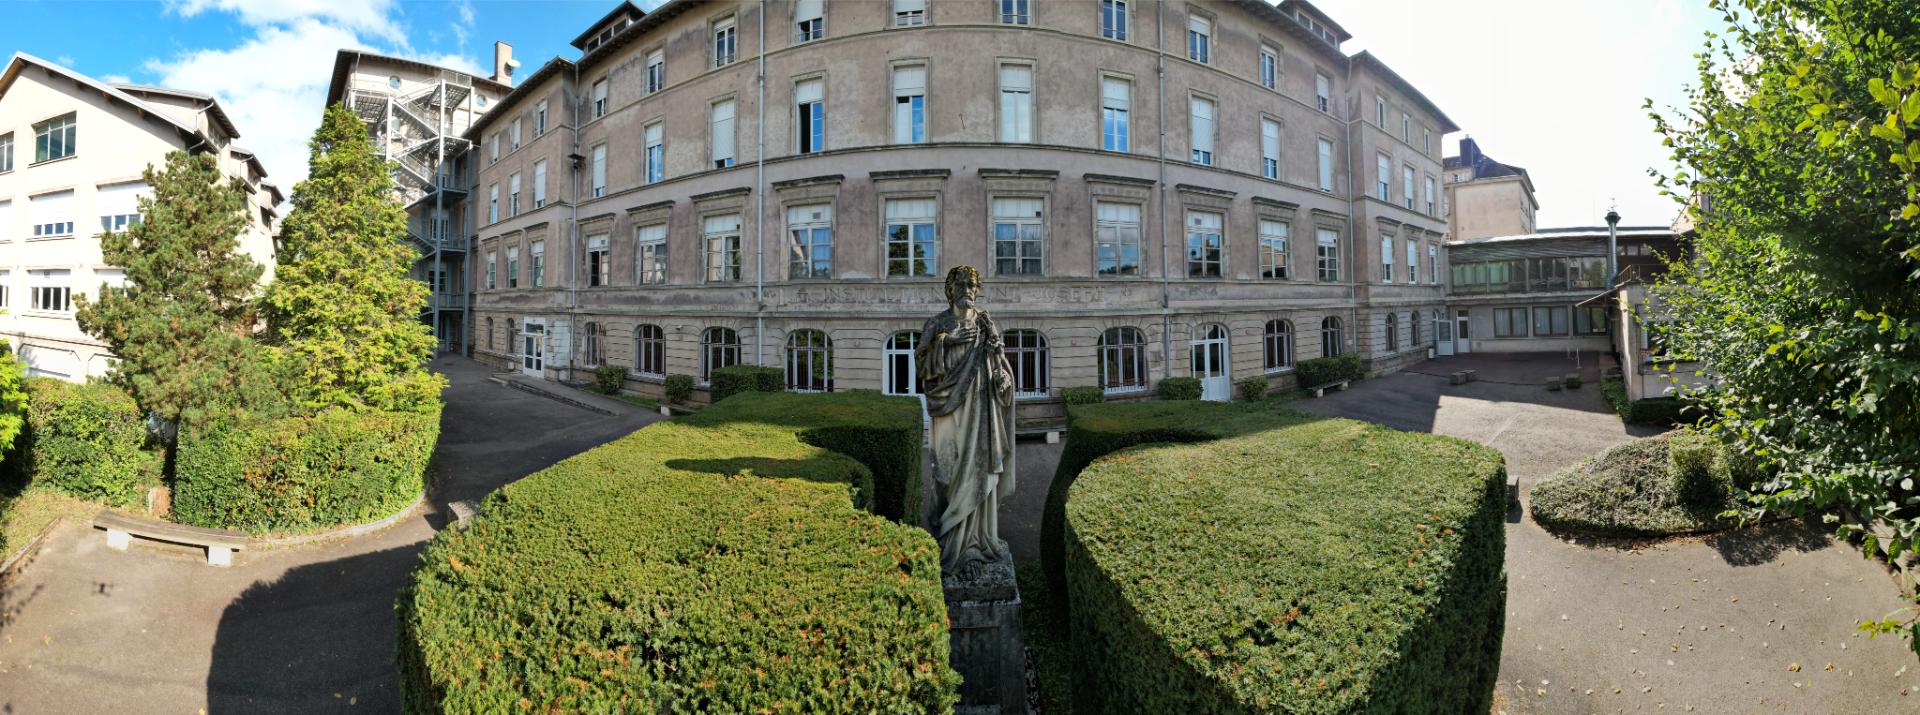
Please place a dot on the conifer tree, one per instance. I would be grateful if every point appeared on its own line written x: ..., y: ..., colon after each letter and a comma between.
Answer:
x: 183, y: 324
x: 342, y: 301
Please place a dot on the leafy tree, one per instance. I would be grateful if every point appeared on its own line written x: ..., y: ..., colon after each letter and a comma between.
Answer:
x: 13, y: 397
x: 342, y: 300
x: 183, y: 324
x: 1804, y: 294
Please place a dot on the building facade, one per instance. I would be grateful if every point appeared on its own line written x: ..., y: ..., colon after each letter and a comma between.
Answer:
x: 1151, y: 189
x: 1486, y: 198
x: 416, y: 113
x: 72, y: 151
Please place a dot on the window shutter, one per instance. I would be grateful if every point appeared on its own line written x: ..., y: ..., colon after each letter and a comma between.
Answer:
x: 653, y: 234
x: 1016, y: 208
x: 728, y: 223
x: 910, y: 209
x: 1269, y: 139
x: 1202, y: 125
x: 119, y: 199
x: 1199, y: 24
x: 595, y: 242
x: 1115, y: 93
x: 808, y: 91
x: 723, y: 130
x: 600, y: 165
x: 903, y: 6
x: 804, y: 10
x: 813, y: 213
x: 1118, y: 213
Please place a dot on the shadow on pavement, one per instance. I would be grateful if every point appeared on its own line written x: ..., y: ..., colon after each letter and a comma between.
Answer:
x: 1762, y: 544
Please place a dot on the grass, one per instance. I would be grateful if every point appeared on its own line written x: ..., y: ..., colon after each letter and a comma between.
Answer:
x: 24, y: 514
x: 1624, y: 491
x: 1049, y: 653
x: 646, y: 402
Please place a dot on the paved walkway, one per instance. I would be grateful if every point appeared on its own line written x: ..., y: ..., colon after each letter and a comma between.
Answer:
x: 307, y: 629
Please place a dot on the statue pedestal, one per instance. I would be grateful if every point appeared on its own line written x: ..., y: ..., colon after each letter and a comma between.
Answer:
x: 988, y: 649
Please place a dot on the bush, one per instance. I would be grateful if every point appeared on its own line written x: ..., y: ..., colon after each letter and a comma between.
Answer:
x: 340, y: 466
x: 1631, y: 490
x: 1653, y: 411
x: 753, y: 584
x: 1325, y: 370
x: 608, y: 379
x: 1180, y: 388
x: 735, y: 379
x: 1253, y: 389
x: 679, y: 389
x: 1286, y: 570
x: 1690, y: 464
x: 1083, y: 395
x: 882, y: 432
x: 88, y: 441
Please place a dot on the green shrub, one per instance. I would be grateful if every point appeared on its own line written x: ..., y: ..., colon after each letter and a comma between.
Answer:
x: 340, y: 466
x: 1287, y: 570
x: 88, y: 441
x: 1180, y: 388
x: 1083, y: 395
x: 735, y: 379
x: 679, y: 389
x: 1253, y: 389
x: 882, y: 432
x: 752, y: 584
x: 608, y: 379
x: 1697, y: 483
x: 1324, y: 370
x: 1653, y: 411
x: 1628, y: 490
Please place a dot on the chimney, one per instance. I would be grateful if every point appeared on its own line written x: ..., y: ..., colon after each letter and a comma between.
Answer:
x: 1469, y: 151
x: 503, y: 63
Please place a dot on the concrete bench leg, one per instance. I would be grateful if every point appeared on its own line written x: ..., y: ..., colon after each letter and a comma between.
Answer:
x: 1341, y: 387
x: 1319, y: 392
x: 219, y: 556
x: 1053, y: 438
x: 118, y: 540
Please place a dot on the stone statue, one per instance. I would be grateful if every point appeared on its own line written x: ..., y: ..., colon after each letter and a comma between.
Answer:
x: 969, y: 390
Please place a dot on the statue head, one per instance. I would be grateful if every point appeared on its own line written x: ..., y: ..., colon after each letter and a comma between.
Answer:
x: 963, y: 286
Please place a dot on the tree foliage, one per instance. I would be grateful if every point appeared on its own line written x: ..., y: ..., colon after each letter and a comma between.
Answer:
x: 1804, y: 293
x: 13, y: 397
x: 183, y: 324
x: 342, y: 302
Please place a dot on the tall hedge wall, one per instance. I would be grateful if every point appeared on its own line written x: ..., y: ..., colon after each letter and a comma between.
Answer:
x: 88, y: 440
x: 1292, y: 564
x: 881, y: 432
x: 338, y: 467
x: 709, y: 564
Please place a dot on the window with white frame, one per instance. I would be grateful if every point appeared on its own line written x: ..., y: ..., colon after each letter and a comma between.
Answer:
x: 1269, y: 67
x: 1406, y: 187
x: 650, y: 254
x: 1277, y: 345
x: 810, y: 229
x: 1199, y: 37
x: 724, y: 37
x: 1326, y: 165
x: 52, y: 290
x: 719, y: 347
x: 1205, y: 244
x: 1123, y: 360
x: 1019, y: 237
x: 656, y: 152
x: 6, y: 219
x: 1016, y: 103
x: 809, y: 20
x: 599, y: 261
x: 1406, y: 128
x: 592, y: 345
x: 1201, y: 130
x: 54, y: 138
x: 1116, y: 96
x: 1026, y: 352
x: 540, y: 118
x: 909, y: 104
x: 1269, y: 148
x: 1380, y: 111
x: 51, y: 214
x: 493, y: 148
x: 912, y: 241
x: 722, y: 133
x: 1116, y: 239
x: 721, y: 235
x: 1016, y: 12
x: 1322, y: 92
x: 513, y: 195
x: 1433, y: 264
x: 1382, y: 176
x: 1426, y: 141
x: 1113, y: 19
x: 493, y: 270
x: 909, y: 12
x: 809, y: 361
x: 1327, y: 254
x: 6, y: 152
x: 898, y: 357
x: 540, y: 183
x: 1393, y: 332
x: 1587, y: 320
x: 537, y: 268
x: 1330, y: 337
x: 493, y: 203
x: 810, y: 114
x: 649, y: 350
x: 1275, y: 262
x: 1413, y: 262
x: 513, y: 267
x: 1386, y: 258
x: 656, y: 71
x: 513, y: 134
x: 599, y: 98
x: 599, y: 152
x: 1413, y: 329
x: 1429, y: 196
x: 6, y: 289
x: 119, y: 205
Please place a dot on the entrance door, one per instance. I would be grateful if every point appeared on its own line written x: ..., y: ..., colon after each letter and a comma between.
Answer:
x: 533, y: 347
x: 1461, y: 343
x: 1210, y: 364
x: 1442, y: 336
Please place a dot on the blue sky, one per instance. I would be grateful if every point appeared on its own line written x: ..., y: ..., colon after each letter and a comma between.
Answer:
x: 1554, y: 87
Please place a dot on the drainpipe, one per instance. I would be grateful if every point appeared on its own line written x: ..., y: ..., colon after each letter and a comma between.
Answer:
x: 1353, y: 236
x: 760, y: 201
x: 439, y: 207
x: 1160, y: 163
x: 1613, y: 248
x: 573, y: 237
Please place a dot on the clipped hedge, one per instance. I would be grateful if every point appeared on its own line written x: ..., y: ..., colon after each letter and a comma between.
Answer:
x: 1306, y: 565
x: 1253, y: 389
x: 1180, y: 388
x: 679, y: 389
x: 711, y: 563
x: 1636, y: 489
x: 87, y: 440
x: 735, y: 379
x: 340, y: 466
x: 1083, y: 395
x: 1323, y: 370
x: 608, y: 379
x: 1652, y: 411
x: 884, y: 433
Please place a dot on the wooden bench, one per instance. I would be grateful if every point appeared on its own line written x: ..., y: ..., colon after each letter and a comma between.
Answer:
x: 1321, y: 390
x: 121, y: 528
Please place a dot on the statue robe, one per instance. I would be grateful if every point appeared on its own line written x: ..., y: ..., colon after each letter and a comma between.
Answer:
x: 969, y: 392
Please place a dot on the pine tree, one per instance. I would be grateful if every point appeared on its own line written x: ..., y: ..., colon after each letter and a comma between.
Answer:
x: 342, y: 301
x: 183, y: 324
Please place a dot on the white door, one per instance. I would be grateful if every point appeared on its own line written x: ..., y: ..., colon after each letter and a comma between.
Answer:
x: 1442, y: 336
x: 1210, y: 364
x: 533, y: 347
x: 903, y: 371
x: 1461, y: 343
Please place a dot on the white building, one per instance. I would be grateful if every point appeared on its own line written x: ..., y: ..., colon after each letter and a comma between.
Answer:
x: 72, y: 150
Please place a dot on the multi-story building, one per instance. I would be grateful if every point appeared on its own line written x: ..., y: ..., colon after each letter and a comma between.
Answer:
x: 416, y: 113
x: 1486, y: 198
x: 72, y: 153
x: 1151, y: 189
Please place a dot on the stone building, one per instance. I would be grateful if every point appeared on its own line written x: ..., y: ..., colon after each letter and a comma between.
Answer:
x: 1486, y: 198
x: 1151, y: 189
x: 72, y: 151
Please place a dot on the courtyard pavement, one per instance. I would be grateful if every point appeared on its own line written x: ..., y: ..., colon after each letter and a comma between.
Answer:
x: 304, y: 629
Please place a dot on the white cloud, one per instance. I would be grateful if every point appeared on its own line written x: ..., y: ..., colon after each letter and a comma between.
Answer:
x: 372, y: 16
x: 64, y: 61
x: 116, y: 79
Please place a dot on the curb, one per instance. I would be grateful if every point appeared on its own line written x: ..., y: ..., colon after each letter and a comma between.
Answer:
x: 341, y: 532
x: 21, y: 556
x: 559, y: 397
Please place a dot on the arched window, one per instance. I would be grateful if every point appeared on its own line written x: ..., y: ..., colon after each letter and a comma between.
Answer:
x: 1123, y: 360
x: 1027, y: 353
x: 1413, y: 329
x: 903, y: 370
x: 809, y: 361
x: 1393, y: 332
x: 596, y: 338
x: 1330, y: 336
x: 649, y: 350
x: 1279, y: 345
x: 719, y: 347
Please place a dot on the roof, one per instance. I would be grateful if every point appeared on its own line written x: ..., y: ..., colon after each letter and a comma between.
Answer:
x: 274, y: 189
x: 500, y: 106
x: 1286, y: 6
x: 206, y: 100
x: 1284, y: 21
x: 1367, y: 59
x: 1549, y: 234
x: 343, y: 62
x: 21, y: 60
x: 249, y: 157
x: 626, y: 7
